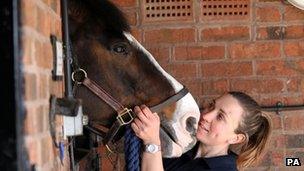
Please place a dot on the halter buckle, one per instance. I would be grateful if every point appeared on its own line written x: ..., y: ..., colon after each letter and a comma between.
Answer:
x: 125, y: 116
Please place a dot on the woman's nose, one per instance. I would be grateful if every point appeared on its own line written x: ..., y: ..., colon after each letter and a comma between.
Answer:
x: 208, y: 116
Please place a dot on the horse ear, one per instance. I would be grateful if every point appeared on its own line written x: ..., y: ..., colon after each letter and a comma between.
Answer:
x: 77, y: 11
x: 77, y: 14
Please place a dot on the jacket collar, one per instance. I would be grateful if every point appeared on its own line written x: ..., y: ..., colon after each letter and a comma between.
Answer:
x: 225, y: 161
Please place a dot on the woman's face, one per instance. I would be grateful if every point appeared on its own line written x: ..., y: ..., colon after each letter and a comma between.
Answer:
x: 218, y: 122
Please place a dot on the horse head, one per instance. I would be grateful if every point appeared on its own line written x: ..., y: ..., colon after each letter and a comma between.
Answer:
x: 116, y: 61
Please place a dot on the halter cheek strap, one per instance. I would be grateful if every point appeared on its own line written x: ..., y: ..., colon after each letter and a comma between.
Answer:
x: 124, y: 115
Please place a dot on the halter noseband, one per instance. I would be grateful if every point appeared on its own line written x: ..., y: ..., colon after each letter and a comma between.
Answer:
x: 124, y: 115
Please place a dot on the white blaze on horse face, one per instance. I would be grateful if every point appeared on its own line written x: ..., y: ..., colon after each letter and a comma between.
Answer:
x: 175, y: 84
x: 186, y: 108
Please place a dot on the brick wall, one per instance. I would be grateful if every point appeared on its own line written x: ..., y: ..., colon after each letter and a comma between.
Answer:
x: 262, y: 55
x: 40, y: 19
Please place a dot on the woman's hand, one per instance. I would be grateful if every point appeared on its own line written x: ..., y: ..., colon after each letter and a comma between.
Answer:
x: 146, y: 125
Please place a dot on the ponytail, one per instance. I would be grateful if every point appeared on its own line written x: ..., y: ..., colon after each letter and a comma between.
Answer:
x: 256, y: 126
x: 255, y: 144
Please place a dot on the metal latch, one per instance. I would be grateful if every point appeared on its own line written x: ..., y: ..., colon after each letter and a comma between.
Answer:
x: 73, y: 118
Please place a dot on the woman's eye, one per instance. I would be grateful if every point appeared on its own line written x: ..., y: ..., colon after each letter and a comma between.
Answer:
x: 220, y: 116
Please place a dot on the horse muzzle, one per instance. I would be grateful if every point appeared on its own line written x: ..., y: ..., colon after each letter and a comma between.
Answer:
x: 178, y: 134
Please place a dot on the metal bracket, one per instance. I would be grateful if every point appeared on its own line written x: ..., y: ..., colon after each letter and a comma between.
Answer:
x: 65, y: 106
x: 279, y: 106
x: 57, y: 72
x: 69, y: 108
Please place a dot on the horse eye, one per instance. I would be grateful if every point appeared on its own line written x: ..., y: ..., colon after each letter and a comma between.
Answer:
x: 120, y: 48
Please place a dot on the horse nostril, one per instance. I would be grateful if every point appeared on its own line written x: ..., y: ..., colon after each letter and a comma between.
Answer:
x: 190, y: 124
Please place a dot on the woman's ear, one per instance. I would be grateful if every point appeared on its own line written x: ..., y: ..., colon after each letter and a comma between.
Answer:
x: 237, y: 138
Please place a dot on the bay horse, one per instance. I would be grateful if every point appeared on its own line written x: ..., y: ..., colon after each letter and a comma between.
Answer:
x: 115, y: 60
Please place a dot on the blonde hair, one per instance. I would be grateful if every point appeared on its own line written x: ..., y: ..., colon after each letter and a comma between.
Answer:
x: 256, y: 126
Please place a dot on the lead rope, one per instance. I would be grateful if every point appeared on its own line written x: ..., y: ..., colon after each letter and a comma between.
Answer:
x: 132, y: 146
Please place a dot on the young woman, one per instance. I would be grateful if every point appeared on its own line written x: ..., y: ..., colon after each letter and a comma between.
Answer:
x: 233, y: 119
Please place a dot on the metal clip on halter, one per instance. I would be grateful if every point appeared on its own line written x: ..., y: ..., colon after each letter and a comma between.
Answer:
x: 125, y: 116
x: 79, y: 75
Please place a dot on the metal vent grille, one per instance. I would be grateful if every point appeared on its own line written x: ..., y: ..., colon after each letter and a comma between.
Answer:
x: 167, y: 10
x: 225, y: 9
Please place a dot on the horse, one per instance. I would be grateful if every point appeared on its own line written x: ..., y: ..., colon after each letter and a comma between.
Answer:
x: 103, y: 45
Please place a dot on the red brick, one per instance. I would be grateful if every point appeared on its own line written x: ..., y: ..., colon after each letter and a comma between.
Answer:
x: 199, y: 52
x: 215, y: 87
x: 44, y: 55
x: 293, y: 84
x: 279, y: 67
x: 40, y: 118
x: 270, y: 33
x: 276, y: 121
x: 43, y: 21
x: 193, y: 87
x: 58, y: 28
x: 43, y: 86
x: 257, y: 86
x: 52, y: 26
x: 286, y: 100
x: 137, y: 34
x: 56, y: 87
x: 268, y: 14
x: 277, y: 157
x: 48, y: 54
x: 169, y: 35
x: 269, y: 1
x: 28, y: 13
x: 277, y: 141
x: 221, y: 69
x: 295, y: 32
x: 47, y: 149
x: 131, y: 17
x: 295, y: 141
x: 55, y: 6
x: 184, y: 70
x: 254, y: 50
x: 292, y: 14
x: 160, y: 54
x: 33, y: 148
x: 34, y: 120
x: 294, y: 49
x: 125, y: 3
x: 30, y: 85
x: 224, y: 11
x: 225, y: 33
x: 262, y: 33
x: 28, y: 44
x: 301, y: 86
x: 296, y: 100
x: 280, y: 32
x: 30, y: 125
x: 294, y: 121
x: 296, y: 153
x: 46, y: 2
x: 46, y: 126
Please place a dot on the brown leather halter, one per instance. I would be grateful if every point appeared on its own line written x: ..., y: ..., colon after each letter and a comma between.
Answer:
x: 124, y: 115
